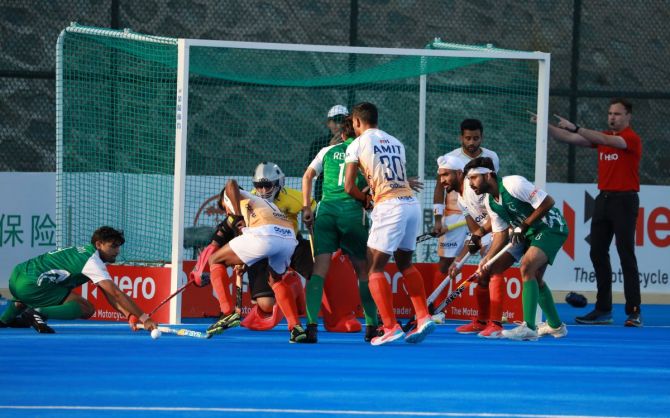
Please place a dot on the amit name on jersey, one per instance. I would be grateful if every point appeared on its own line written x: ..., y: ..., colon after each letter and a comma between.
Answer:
x: 386, y: 149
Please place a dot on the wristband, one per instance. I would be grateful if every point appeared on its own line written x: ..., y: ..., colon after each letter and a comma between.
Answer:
x: 438, y: 209
x: 143, y: 318
x: 574, y: 131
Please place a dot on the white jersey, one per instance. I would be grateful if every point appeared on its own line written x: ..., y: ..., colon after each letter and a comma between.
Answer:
x: 472, y: 204
x: 261, y: 216
x: 485, y: 152
x: 521, y: 189
x: 381, y: 157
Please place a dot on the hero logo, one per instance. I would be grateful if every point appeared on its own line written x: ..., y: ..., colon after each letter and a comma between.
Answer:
x: 134, y: 288
x: 146, y: 285
x: 609, y: 157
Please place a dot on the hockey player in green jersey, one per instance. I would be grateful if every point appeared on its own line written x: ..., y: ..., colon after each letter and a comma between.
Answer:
x: 340, y: 221
x: 42, y: 286
x: 513, y: 201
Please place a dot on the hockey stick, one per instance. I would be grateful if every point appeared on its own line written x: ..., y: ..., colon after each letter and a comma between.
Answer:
x: 310, y: 229
x: 459, y: 290
x: 166, y: 300
x: 429, y: 235
x: 238, y: 291
x: 181, y: 332
x: 411, y: 323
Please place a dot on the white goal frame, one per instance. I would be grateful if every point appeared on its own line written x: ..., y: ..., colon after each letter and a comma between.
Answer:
x: 181, y: 114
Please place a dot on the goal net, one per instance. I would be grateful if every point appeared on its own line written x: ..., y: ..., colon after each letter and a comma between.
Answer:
x: 150, y: 128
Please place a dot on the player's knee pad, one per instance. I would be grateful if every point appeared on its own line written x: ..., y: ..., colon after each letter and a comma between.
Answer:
x: 256, y: 321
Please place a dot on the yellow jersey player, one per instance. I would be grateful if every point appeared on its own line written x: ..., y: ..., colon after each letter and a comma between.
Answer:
x: 267, y: 233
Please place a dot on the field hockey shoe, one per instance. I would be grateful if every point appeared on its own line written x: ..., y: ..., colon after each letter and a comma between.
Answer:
x: 312, y: 330
x: 37, y: 321
x: 595, y: 317
x: 474, y: 327
x: 298, y: 335
x: 492, y: 330
x: 372, y: 331
x: 424, y: 326
x: 521, y: 333
x: 390, y: 335
x: 224, y: 322
x: 543, y: 328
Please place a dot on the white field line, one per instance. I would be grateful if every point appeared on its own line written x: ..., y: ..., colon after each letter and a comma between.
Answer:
x: 286, y: 411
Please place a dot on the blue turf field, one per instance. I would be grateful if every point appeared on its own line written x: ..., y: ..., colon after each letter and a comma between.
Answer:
x: 93, y: 369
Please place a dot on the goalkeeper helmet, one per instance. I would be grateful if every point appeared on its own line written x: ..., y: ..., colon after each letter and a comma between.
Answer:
x: 268, y: 180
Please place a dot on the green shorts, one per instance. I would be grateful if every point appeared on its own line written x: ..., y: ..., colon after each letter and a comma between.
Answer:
x: 25, y: 288
x: 341, y: 224
x: 550, y: 241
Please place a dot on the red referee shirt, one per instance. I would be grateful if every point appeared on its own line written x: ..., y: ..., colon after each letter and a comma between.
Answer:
x: 619, y: 169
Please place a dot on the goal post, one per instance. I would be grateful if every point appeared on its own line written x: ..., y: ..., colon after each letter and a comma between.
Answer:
x: 150, y: 128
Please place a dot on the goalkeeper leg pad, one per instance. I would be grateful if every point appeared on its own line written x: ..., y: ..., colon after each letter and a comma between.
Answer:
x: 258, y: 321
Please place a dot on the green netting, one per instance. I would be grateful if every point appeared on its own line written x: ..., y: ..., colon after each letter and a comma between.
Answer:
x: 253, y: 105
x: 116, y: 151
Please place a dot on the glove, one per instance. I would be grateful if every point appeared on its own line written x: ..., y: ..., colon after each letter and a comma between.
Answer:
x: 474, y: 244
x: 519, y: 234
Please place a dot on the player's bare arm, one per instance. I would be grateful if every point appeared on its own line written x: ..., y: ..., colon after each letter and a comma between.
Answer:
x: 438, y: 206
x: 232, y: 198
x: 122, y: 303
x: 307, y: 213
x: 541, y: 210
x: 350, y: 185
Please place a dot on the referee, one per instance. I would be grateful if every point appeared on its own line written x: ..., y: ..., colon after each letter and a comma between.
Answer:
x: 616, y: 208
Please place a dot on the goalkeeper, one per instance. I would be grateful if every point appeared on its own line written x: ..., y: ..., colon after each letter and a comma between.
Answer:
x: 268, y: 183
x: 42, y: 286
x: 340, y: 222
x: 267, y: 234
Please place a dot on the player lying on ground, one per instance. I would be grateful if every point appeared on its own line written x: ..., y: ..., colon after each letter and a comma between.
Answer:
x: 516, y: 202
x: 340, y: 222
x: 395, y: 220
x: 266, y: 233
x: 490, y: 288
x: 42, y: 286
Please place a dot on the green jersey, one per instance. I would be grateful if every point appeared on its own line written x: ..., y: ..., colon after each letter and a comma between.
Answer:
x: 330, y: 162
x: 69, y: 267
x: 517, y: 200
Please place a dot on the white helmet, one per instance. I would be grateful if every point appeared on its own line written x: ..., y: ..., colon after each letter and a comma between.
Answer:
x: 268, y: 180
x: 338, y: 111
